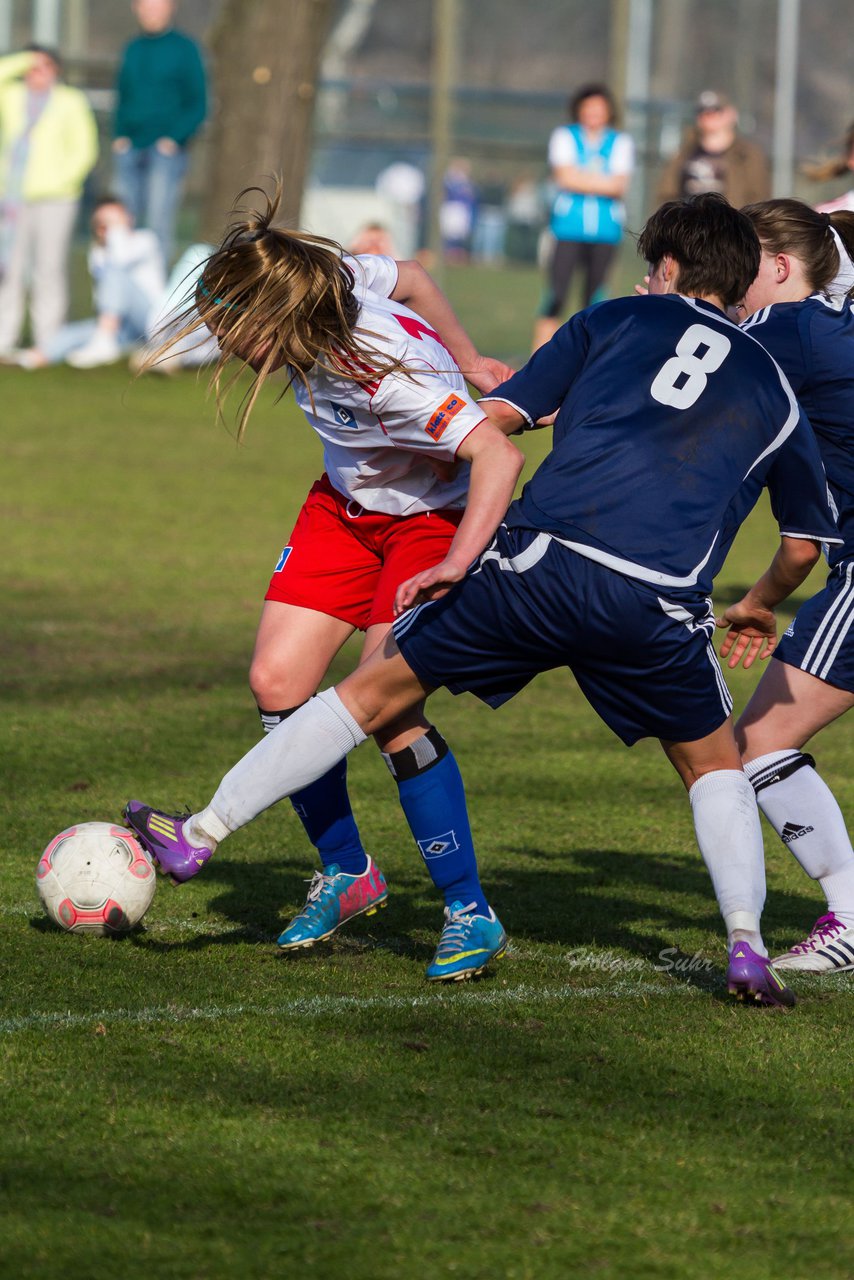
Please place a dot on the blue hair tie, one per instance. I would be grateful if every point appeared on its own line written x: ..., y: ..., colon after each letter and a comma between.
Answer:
x: 217, y: 302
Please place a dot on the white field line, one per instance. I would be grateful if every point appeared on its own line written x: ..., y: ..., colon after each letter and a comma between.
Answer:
x: 321, y: 1006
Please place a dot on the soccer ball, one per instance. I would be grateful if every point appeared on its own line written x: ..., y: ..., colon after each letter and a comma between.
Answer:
x: 95, y: 878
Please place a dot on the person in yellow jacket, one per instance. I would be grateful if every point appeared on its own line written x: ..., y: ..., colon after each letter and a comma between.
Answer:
x: 48, y: 145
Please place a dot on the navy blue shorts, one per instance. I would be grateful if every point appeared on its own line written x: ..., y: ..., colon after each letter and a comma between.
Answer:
x: 646, y: 665
x: 820, y: 640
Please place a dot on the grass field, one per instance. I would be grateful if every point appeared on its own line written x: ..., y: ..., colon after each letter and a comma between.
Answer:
x: 188, y: 1103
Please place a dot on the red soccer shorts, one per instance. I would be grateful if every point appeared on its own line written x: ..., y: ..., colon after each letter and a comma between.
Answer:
x: 348, y: 562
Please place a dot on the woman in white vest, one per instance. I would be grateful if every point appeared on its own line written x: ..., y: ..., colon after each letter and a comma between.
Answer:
x: 591, y: 165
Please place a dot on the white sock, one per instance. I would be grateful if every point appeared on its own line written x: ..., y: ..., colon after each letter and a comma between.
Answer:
x: 300, y: 750
x: 803, y: 811
x: 729, y: 834
x: 205, y: 828
x: 839, y: 891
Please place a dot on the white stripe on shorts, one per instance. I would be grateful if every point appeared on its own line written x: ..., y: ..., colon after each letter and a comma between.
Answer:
x: 723, y: 690
x: 525, y: 560
x: 831, y: 632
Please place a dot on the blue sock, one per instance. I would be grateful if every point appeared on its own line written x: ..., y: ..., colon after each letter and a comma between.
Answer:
x: 324, y: 810
x: 434, y: 802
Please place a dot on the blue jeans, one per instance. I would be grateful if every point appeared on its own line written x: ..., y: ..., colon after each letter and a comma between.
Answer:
x: 115, y: 295
x: 150, y: 184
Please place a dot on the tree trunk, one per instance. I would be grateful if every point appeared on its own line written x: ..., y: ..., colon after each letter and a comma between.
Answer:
x: 266, y: 55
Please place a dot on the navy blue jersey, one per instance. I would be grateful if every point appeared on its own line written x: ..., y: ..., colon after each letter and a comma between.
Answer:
x: 670, y: 422
x: 813, y: 343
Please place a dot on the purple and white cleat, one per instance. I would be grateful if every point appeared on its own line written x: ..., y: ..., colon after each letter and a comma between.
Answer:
x: 162, y: 835
x: 752, y: 979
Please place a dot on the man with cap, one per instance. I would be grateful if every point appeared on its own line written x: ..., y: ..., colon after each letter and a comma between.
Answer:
x: 716, y: 157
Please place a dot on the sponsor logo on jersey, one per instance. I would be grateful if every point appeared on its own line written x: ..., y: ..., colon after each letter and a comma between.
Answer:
x: 343, y: 416
x: 790, y: 629
x: 791, y: 831
x: 283, y: 558
x: 438, y: 846
x: 442, y: 416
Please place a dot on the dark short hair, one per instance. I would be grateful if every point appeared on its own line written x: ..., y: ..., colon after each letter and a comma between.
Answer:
x: 46, y: 52
x: 591, y: 91
x: 714, y: 244
x: 108, y: 198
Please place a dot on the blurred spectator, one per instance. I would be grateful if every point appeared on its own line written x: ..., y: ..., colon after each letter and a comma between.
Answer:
x: 591, y: 166
x: 525, y: 211
x: 373, y: 237
x: 841, y: 166
x: 170, y: 316
x: 404, y: 185
x: 48, y: 144
x: 128, y: 282
x: 458, y: 209
x: 161, y: 104
x: 716, y: 157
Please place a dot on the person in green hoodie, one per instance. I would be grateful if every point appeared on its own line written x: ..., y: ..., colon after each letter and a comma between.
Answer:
x: 48, y: 145
x: 161, y: 102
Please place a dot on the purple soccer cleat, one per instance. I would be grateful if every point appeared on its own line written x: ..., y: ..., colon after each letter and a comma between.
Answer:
x: 752, y: 979
x: 162, y: 835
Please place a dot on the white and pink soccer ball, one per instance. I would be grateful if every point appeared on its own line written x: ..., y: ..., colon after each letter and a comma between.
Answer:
x: 96, y: 878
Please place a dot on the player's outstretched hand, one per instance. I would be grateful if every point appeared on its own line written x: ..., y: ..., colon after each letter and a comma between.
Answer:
x: 751, y: 634
x: 642, y: 289
x: 486, y: 374
x: 429, y: 584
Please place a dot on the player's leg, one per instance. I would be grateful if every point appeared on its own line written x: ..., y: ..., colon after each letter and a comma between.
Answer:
x: 319, y: 594
x: 429, y: 784
x: 304, y: 747
x: 293, y: 649
x: 726, y: 823
x: 432, y: 796
x: 788, y: 707
x: 649, y: 668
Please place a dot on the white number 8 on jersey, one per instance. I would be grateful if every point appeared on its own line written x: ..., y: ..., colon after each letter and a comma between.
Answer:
x: 682, y: 379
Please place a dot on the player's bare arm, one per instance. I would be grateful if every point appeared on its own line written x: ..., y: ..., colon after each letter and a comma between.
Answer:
x: 751, y: 623
x: 416, y: 290
x: 495, y: 467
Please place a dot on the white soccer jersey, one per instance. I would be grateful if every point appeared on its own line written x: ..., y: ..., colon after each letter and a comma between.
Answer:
x: 380, y: 433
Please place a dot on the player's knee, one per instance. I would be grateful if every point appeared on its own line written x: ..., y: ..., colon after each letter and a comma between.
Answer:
x: 274, y: 686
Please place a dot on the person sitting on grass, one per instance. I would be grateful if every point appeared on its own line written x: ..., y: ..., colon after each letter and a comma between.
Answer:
x: 669, y: 423
x: 128, y: 278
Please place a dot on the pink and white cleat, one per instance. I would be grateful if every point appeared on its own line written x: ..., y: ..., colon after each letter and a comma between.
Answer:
x: 828, y: 949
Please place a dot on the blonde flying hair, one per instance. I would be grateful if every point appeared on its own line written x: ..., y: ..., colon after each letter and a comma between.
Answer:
x: 275, y: 297
x: 790, y: 226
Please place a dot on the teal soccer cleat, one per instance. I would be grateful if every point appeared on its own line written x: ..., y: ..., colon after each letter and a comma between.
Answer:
x: 467, y: 944
x: 333, y: 898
